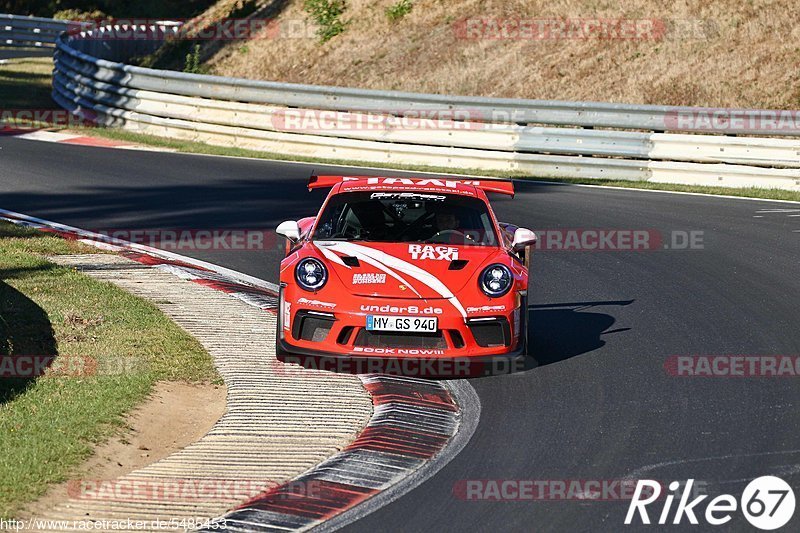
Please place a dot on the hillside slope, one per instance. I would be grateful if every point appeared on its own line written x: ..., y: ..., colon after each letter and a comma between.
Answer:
x: 726, y: 53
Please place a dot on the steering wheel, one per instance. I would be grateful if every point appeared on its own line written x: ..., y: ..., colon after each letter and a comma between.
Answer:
x: 448, y: 233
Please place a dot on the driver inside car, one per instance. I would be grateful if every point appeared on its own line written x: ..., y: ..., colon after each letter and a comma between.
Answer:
x: 447, y: 227
x: 446, y: 220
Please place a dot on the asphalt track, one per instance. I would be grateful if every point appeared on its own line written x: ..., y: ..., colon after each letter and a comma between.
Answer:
x: 19, y: 53
x: 601, y: 406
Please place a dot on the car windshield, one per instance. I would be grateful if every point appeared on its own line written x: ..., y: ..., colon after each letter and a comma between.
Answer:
x: 406, y: 217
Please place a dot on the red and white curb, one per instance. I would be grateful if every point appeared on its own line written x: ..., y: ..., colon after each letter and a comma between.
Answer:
x: 417, y: 426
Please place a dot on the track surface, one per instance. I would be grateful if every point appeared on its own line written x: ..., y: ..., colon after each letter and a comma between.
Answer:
x: 13, y: 53
x: 602, y: 405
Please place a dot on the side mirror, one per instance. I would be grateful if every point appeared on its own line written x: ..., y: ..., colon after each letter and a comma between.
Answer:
x: 523, y: 238
x: 289, y: 229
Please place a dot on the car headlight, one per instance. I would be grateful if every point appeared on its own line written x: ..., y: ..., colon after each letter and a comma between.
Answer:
x: 496, y: 280
x: 311, y: 274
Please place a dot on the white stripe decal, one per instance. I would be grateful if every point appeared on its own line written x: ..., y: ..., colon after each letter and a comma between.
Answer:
x: 369, y: 260
x: 403, y: 266
x: 331, y: 255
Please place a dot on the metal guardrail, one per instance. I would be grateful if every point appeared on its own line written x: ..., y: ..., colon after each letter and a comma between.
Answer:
x: 490, y: 134
x: 29, y: 32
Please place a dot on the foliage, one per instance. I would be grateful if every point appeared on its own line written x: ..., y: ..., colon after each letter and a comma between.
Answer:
x: 327, y: 13
x: 194, y: 65
x: 78, y: 15
x: 399, y: 10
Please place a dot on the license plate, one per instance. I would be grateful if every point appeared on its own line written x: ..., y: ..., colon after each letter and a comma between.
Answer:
x: 416, y: 324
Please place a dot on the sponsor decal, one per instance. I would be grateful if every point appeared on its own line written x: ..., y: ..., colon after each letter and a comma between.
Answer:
x: 460, y: 192
x: 287, y: 315
x: 392, y: 265
x: 316, y: 303
x: 411, y: 309
x: 486, y: 309
x: 369, y: 279
x: 407, y: 196
x: 450, y: 184
x: 428, y: 251
x: 398, y: 351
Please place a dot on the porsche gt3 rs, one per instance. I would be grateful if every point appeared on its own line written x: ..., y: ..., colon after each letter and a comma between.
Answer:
x: 401, y: 267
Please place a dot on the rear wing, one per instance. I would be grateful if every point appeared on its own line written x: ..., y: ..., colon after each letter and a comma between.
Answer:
x: 488, y: 185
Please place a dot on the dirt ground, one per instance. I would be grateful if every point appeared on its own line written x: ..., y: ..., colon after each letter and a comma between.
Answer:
x: 175, y: 415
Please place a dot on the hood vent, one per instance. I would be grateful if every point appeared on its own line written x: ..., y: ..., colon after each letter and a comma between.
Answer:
x: 351, y: 261
x: 458, y: 264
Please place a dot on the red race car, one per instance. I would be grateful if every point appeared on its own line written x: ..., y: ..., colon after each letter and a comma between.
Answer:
x: 404, y: 268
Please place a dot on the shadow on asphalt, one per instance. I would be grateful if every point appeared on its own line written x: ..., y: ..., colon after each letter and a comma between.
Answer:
x: 560, y: 331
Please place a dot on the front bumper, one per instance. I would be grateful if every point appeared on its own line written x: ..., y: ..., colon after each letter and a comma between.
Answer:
x: 335, y: 335
x: 449, y: 367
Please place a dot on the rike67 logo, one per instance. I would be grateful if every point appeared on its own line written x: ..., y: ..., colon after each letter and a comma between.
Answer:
x: 767, y: 503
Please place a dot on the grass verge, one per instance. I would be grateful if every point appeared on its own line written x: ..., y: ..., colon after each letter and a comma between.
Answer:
x: 110, y: 348
x: 31, y: 72
x: 26, y: 84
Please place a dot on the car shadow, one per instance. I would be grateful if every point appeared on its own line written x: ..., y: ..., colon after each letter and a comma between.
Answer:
x: 560, y: 331
x: 25, y: 330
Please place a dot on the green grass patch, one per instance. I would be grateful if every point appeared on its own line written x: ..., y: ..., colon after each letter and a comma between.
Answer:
x: 201, y: 148
x: 49, y: 424
x: 327, y: 15
x: 26, y: 84
x: 399, y: 10
x: 193, y: 64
